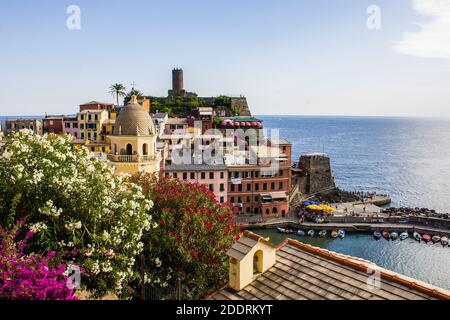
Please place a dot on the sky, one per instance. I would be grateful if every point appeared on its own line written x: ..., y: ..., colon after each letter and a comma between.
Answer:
x: 289, y: 57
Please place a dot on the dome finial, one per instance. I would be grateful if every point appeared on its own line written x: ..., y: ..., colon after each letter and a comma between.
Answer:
x: 134, y: 99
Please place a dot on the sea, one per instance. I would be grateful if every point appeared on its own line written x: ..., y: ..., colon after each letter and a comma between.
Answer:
x: 406, y: 158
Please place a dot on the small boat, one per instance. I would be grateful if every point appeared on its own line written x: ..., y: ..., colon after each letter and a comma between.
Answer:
x: 444, y: 241
x: 386, y: 235
x: 404, y: 236
x: 377, y: 235
x: 311, y: 233
x: 281, y: 230
x: 417, y: 236
x: 341, y: 234
x: 323, y: 233
x: 301, y: 233
x: 334, y: 234
x: 394, y: 235
x: 436, y: 239
x: 426, y: 237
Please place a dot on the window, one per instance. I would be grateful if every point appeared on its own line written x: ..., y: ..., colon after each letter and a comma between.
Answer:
x: 248, y: 200
x: 272, y: 186
x: 75, y: 125
x: 222, y: 175
x: 232, y: 188
x: 211, y: 175
x: 232, y: 199
x: 249, y: 187
x: 185, y: 175
x: 281, y: 173
x: 280, y: 185
x: 256, y: 186
x: 67, y: 125
x: 256, y: 198
x: 167, y: 175
x: 175, y: 175
x: 222, y: 187
x: 89, y: 117
x: 96, y: 117
x: 274, y: 210
x: 82, y: 117
x: 145, y: 149
x: 82, y: 126
x: 192, y: 175
x: 248, y: 209
x: 211, y: 187
x: 222, y: 199
x: 258, y: 262
x: 265, y: 186
x: 82, y: 135
x: 239, y: 199
x: 240, y: 188
x: 203, y: 175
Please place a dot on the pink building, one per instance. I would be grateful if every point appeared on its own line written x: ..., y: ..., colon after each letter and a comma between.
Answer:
x: 214, y: 178
x: 71, y: 126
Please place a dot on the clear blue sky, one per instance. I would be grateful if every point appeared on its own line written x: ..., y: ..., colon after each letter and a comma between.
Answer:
x: 312, y: 57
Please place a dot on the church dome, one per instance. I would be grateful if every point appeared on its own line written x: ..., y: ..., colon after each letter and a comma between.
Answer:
x: 133, y: 120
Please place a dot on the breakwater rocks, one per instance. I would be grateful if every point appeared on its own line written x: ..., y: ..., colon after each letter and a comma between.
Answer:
x: 416, y: 212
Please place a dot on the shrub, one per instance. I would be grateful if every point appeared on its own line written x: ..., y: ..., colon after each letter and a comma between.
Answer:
x: 195, y: 231
x: 73, y: 202
x: 29, y: 277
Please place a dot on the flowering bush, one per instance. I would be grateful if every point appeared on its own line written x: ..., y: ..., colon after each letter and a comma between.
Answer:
x: 29, y: 277
x: 73, y: 203
x: 195, y: 231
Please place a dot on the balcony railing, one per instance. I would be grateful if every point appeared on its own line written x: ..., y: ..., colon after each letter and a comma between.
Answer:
x: 130, y: 158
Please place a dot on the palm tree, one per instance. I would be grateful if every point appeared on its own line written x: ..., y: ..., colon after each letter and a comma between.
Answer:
x: 118, y: 90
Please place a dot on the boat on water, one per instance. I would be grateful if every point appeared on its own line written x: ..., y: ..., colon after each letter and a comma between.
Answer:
x: 334, y: 234
x: 323, y: 233
x: 386, y: 235
x: 404, y: 236
x: 377, y: 235
x: 341, y: 234
x: 301, y: 233
x: 394, y: 235
x: 426, y: 237
x: 417, y: 236
x: 281, y: 230
x: 444, y: 241
x: 436, y: 239
x: 311, y: 233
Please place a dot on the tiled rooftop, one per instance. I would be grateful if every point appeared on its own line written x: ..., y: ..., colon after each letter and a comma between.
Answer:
x: 304, y: 272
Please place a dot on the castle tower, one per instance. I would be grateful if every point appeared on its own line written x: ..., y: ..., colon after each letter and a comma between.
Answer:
x: 177, y: 84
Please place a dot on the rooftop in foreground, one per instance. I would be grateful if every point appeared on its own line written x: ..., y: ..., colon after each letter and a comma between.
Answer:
x: 303, y: 272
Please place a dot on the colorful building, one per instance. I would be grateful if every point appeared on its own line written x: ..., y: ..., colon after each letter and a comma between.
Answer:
x: 214, y: 178
x: 71, y: 126
x: 53, y: 124
x: 19, y: 124
x: 90, y: 123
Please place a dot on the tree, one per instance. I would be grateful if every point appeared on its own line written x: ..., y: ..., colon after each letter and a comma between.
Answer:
x: 118, y: 90
x: 73, y: 203
x: 195, y: 232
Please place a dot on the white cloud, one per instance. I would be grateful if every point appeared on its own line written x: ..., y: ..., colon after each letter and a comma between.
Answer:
x: 433, y: 38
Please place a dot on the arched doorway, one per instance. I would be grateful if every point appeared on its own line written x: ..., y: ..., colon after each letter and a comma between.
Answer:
x: 129, y: 149
x: 258, y: 262
x: 145, y: 149
x: 274, y: 210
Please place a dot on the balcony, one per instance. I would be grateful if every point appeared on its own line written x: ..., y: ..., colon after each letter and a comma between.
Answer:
x: 131, y: 158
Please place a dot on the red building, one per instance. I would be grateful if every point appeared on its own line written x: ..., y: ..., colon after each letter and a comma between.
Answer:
x: 53, y: 124
x: 262, y: 188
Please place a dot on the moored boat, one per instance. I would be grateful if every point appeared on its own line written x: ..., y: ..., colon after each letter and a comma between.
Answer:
x: 417, y: 236
x: 323, y: 233
x: 281, y: 230
x: 377, y: 235
x: 394, y: 235
x: 436, y: 239
x: 341, y: 234
x: 444, y: 241
x: 334, y: 234
x: 311, y: 233
x: 386, y: 234
x: 301, y: 233
x: 426, y: 237
x: 404, y: 236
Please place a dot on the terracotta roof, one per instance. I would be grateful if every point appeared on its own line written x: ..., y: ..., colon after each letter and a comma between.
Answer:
x: 304, y: 272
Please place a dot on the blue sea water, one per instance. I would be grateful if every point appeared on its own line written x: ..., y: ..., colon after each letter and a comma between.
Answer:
x: 407, y: 158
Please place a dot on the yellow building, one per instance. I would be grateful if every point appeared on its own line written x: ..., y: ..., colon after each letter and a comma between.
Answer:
x: 133, y: 142
x: 90, y: 124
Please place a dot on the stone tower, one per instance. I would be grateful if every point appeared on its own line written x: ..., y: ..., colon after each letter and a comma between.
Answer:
x: 177, y: 84
x: 316, y: 173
